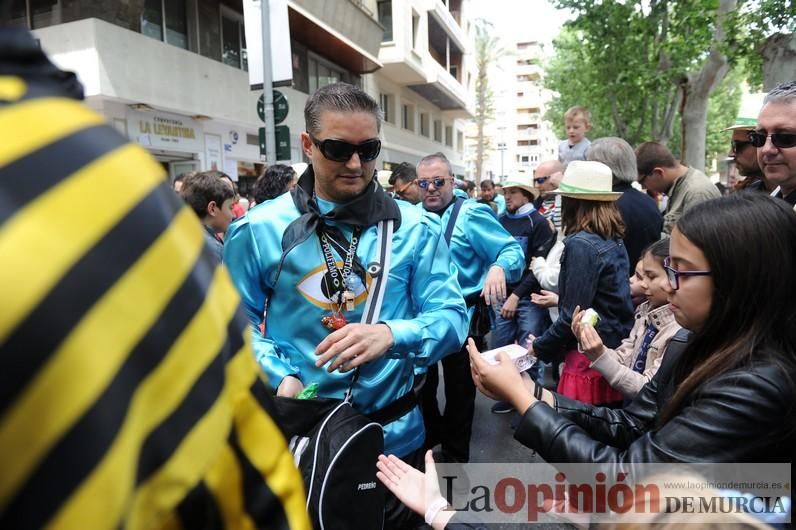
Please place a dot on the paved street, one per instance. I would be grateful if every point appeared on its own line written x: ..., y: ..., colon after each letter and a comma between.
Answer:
x: 493, y: 441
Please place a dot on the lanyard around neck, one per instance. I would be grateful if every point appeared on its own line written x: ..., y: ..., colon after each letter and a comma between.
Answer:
x: 338, y: 277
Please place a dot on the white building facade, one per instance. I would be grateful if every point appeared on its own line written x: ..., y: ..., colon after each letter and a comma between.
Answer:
x: 519, y: 137
x: 172, y: 75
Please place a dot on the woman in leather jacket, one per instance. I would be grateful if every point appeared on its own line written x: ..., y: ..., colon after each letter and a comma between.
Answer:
x: 723, y: 394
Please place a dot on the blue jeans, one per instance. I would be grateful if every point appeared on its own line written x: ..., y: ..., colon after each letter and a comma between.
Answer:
x: 530, y: 319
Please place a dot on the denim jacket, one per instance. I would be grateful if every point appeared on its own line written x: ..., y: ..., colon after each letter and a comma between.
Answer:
x: 594, y: 273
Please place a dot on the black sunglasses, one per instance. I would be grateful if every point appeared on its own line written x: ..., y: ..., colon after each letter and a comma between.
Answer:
x: 674, y: 275
x: 781, y: 140
x: 738, y: 145
x: 437, y: 181
x: 541, y: 180
x: 341, y: 151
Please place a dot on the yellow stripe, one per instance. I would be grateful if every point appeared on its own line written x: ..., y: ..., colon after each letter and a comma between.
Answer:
x: 255, y: 428
x: 172, y: 521
x: 13, y: 88
x: 157, y: 396
x: 225, y: 480
x: 39, y: 122
x: 43, y: 240
x: 90, y: 356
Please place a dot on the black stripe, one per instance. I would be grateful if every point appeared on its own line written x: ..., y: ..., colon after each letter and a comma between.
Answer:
x: 199, y: 510
x: 264, y: 397
x: 28, y: 177
x: 38, y: 336
x: 261, y: 504
x: 164, y: 440
x: 71, y: 460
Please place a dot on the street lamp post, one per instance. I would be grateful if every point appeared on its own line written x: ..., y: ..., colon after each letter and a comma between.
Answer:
x: 502, y: 149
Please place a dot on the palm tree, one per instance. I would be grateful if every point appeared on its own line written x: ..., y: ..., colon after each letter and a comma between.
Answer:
x: 487, y: 51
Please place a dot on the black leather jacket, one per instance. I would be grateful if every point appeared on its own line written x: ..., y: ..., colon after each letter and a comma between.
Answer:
x: 744, y: 415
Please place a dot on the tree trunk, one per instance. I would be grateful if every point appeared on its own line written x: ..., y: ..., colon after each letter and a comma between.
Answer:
x: 479, y: 152
x: 697, y: 89
x: 779, y: 59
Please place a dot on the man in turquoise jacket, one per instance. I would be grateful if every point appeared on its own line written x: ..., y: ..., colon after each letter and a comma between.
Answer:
x: 311, y: 256
x: 486, y: 256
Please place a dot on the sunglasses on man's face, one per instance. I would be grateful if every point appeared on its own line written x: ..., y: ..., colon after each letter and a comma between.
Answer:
x: 437, y: 181
x: 341, y: 151
x: 738, y: 145
x: 401, y: 191
x: 781, y: 140
x: 541, y: 180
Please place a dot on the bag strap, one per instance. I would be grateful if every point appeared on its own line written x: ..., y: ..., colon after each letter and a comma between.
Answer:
x: 452, y: 219
x: 397, y: 409
x: 375, y: 298
x: 372, y: 309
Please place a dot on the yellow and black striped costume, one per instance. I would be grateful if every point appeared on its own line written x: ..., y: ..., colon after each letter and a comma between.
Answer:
x: 129, y: 395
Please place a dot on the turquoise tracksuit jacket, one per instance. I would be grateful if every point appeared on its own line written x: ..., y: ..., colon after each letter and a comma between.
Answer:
x: 479, y: 241
x: 423, y: 306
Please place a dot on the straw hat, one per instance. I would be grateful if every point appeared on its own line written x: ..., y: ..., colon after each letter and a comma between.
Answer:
x: 523, y: 180
x: 590, y: 181
x: 747, y: 113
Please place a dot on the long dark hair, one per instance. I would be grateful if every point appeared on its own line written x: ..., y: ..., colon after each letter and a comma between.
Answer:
x: 749, y: 241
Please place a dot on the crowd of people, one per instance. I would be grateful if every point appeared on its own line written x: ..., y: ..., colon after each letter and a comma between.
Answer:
x: 528, y: 258
x: 132, y: 374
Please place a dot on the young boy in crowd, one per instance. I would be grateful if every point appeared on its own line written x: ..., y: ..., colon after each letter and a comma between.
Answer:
x: 211, y: 199
x: 578, y: 122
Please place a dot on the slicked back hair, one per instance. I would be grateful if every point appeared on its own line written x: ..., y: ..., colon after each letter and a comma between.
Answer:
x: 339, y: 97
x: 404, y: 172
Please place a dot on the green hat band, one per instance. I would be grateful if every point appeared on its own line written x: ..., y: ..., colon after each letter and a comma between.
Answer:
x: 566, y: 188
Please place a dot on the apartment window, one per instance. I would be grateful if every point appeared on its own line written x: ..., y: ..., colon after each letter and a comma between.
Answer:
x: 460, y: 141
x: 322, y: 73
x: 233, y: 39
x: 424, y: 124
x: 408, y: 117
x: 386, y: 104
x: 160, y: 14
x: 385, y: 18
x: 415, y: 28
x: 438, y: 131
x: 449, y: 136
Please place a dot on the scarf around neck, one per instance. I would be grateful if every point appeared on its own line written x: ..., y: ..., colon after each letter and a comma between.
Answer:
x: 366, y: 209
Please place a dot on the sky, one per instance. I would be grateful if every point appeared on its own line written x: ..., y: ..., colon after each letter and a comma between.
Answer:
x: 521, y: 19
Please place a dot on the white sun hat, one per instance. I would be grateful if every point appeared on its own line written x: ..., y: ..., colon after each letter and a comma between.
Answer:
x: 591, y: 181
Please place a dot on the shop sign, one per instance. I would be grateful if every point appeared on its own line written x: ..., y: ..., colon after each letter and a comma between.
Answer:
x: 160, y: 130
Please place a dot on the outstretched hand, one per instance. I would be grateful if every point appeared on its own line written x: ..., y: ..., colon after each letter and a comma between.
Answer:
x: 415, y: 489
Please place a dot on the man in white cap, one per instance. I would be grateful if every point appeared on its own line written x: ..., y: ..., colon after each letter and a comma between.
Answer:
x: 519, y: 317
x: 742, y: 152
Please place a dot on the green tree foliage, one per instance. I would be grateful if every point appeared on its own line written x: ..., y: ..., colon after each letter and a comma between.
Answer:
x: 645, y: 68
